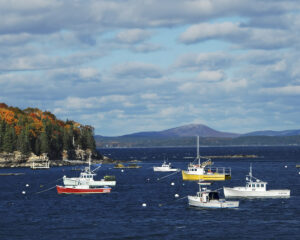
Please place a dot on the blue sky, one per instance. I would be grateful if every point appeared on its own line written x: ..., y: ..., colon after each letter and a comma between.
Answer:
x: 129, y: 66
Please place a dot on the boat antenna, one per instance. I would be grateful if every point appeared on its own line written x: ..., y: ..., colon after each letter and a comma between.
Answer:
x: 250, y: 173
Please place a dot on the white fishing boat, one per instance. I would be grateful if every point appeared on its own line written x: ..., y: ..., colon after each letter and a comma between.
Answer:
x: 86, y: 177
x: 165, y: 167
x: 255, y: 188
x: 203, y: 171
x: 206, y: 198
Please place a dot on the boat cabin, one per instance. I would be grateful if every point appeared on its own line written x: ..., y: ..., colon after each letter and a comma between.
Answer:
x: 208, y: 196
x: 87, y: 175
x: 256, y: 186
x: 166, y: 165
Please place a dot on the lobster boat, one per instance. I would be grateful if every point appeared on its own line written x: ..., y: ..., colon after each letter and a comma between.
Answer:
x: 85, y: 183
x: 255, y: 188
x: 165, y: 167
x: 203, y: 171
x: 206, y: 198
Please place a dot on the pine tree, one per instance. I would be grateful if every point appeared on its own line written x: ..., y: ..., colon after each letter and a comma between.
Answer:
x: 23, y: 142
x: 44, y: 143
x: 8, y: 139
x: 37, y: 146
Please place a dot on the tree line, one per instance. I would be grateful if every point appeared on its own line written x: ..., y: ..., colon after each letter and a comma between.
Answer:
x: 32, y: 130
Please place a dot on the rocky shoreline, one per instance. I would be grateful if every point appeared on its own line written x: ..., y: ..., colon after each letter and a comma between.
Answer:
x: 71, y: 158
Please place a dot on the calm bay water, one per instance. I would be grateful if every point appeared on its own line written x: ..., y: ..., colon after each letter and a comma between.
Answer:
x: 120, y: 214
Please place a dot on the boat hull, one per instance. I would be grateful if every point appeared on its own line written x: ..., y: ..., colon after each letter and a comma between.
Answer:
x: 206, y: 177
x: 243, y: 192
x: 194, y: 201
x: 74, y: 190
x: 162, y: 169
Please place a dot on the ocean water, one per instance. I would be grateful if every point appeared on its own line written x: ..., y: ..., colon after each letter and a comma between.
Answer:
x: 120, y: 214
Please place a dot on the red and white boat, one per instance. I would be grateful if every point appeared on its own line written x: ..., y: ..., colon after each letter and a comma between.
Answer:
x: 84, y: 184
x: 81, y: 189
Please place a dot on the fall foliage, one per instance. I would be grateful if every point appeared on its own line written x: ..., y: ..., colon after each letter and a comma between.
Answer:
x: 32, y: 130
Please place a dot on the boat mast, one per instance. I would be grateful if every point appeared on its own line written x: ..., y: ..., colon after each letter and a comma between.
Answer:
x: 198, y: 154
x: 250, y: 173
x: 90, y: 162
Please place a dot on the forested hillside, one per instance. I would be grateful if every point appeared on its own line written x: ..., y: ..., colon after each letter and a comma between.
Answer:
x: 32, y: 130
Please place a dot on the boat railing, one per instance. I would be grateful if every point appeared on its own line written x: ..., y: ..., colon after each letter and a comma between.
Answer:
x: 218, y: 170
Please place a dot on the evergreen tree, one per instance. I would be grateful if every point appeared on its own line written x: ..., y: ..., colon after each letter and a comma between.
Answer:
x: 2, y: 131
x: 23, y: 142
x: 8, y: 139
x: 44, y: 143
x: 37, y: 146
x: 67, y: 139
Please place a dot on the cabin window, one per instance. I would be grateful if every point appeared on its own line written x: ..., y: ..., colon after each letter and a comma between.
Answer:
x: 249, y: 185
x: 257, y: 185
x: 253, y: 185
x: 262, y: 185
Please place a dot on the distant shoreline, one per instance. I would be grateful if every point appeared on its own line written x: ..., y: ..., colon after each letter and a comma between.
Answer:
x: 201, y: 146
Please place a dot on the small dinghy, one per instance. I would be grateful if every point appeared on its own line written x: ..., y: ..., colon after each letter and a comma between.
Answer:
x: 255, y: 188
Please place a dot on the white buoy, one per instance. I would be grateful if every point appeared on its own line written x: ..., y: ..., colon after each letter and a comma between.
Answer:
x: 122, y: 170
x: 144, y: 205
x: 176, y: 195
x: 285, y: 166
x: 299, y: 172
x: 172, y: 183
x: 27, y: 185
x: 23, y: 192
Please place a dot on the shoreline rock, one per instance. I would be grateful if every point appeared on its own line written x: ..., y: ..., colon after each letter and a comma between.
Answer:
x: 69, y: 158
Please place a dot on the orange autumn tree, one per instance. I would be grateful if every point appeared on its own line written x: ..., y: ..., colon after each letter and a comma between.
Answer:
x: 32, y: 130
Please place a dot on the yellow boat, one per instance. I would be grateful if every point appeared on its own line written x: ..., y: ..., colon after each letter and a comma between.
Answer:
x: 206, y: 176
x: 201, y: 171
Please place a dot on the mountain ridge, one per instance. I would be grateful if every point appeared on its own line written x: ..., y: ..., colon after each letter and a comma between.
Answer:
x: 185, y: 136
x: 189, y: 130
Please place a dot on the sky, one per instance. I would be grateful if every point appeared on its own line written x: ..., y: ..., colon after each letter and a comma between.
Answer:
x: 126, y: 66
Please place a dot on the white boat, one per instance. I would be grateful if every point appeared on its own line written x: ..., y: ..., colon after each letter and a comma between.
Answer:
x: 86, y: 177
x: 206, y: 198
x: 165, y: 167
x: 255, y: 188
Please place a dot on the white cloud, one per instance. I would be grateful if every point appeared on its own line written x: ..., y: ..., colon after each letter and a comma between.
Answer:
x: 133, y: 36
x: 204, y: 31
x: 242, y: 36
x: 210, y: 76
x: 88, y: 72
x: 137, y: 70
x: 149, y: 96
x: 203, y: 61
x: 285, y: 90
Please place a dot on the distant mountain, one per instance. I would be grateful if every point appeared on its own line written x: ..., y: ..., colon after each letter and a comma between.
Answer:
x: 274, y: 133
x: 190, y: 130
x: 185, y: 136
